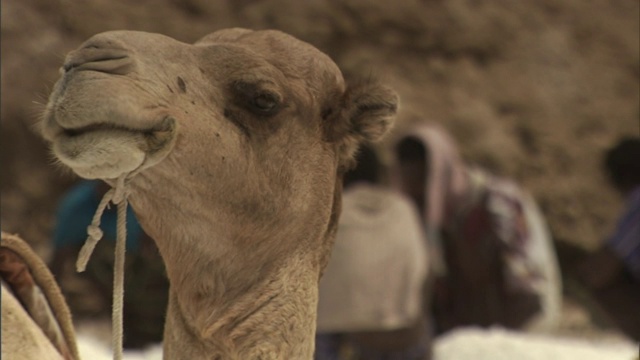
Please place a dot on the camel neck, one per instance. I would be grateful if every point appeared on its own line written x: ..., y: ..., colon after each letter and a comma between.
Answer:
x: 236, y: 292
x: 274, y: 320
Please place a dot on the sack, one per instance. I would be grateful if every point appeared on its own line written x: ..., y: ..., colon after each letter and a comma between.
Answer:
x: 36, y: 323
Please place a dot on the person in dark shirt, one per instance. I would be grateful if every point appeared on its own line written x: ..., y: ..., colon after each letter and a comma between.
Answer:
x: 612, y: 272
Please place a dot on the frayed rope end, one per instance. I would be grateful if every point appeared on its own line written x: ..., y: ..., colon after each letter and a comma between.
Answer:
x: 95, y: 234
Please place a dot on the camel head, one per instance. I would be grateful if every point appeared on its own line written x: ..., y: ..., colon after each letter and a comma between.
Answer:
x: 234, y: 145
x: 256, y: 124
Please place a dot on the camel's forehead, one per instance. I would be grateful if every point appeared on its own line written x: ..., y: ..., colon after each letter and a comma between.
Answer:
x: 295, y: 58
x: 271, y: 44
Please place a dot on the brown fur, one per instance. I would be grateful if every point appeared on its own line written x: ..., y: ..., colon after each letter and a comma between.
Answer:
x: 236, y: 145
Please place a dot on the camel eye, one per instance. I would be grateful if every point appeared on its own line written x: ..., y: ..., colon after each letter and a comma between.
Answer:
x: 256, y: 98
x: 265, y: 103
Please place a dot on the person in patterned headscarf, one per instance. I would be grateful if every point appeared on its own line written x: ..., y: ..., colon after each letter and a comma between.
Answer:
x: 492, y: 254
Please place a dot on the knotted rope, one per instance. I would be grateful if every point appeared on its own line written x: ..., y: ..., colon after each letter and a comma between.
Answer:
x: 117, y: 196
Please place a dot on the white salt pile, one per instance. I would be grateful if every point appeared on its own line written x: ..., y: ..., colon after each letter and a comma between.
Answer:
x: 462, y: 344
x: 500, y: 344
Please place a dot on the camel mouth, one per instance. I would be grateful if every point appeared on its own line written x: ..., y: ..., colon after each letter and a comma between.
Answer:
x: 106, y: 150
x: 163, y: 127
x: 149, y: 140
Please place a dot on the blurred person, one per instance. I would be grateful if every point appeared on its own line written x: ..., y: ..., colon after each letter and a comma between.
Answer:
x: 492, y: 254
x: 370, y: 297
x: 612, y: 273
x: 89, y: 294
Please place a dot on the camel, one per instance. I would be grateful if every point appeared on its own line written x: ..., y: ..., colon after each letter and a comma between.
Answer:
x: 233, y: 148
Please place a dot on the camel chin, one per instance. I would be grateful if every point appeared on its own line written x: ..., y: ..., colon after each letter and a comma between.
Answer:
x: 106, y: 152
x: 101, y: 154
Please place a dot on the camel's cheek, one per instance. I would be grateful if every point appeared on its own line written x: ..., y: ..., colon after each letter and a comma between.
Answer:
x: 102, y: 154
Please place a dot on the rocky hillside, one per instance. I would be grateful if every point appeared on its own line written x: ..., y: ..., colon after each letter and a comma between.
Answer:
x: 533, y: 89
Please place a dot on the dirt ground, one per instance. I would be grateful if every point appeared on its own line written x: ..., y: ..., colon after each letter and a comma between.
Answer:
x: 535, y: 90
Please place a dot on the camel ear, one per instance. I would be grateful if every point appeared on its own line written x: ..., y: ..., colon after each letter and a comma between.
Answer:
x: 369, y: 111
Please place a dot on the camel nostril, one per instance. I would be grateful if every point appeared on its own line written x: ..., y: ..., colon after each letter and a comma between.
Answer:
x: 108, y: 60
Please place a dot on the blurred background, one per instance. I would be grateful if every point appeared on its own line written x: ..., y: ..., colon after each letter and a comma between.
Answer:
x: 533, y: 90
